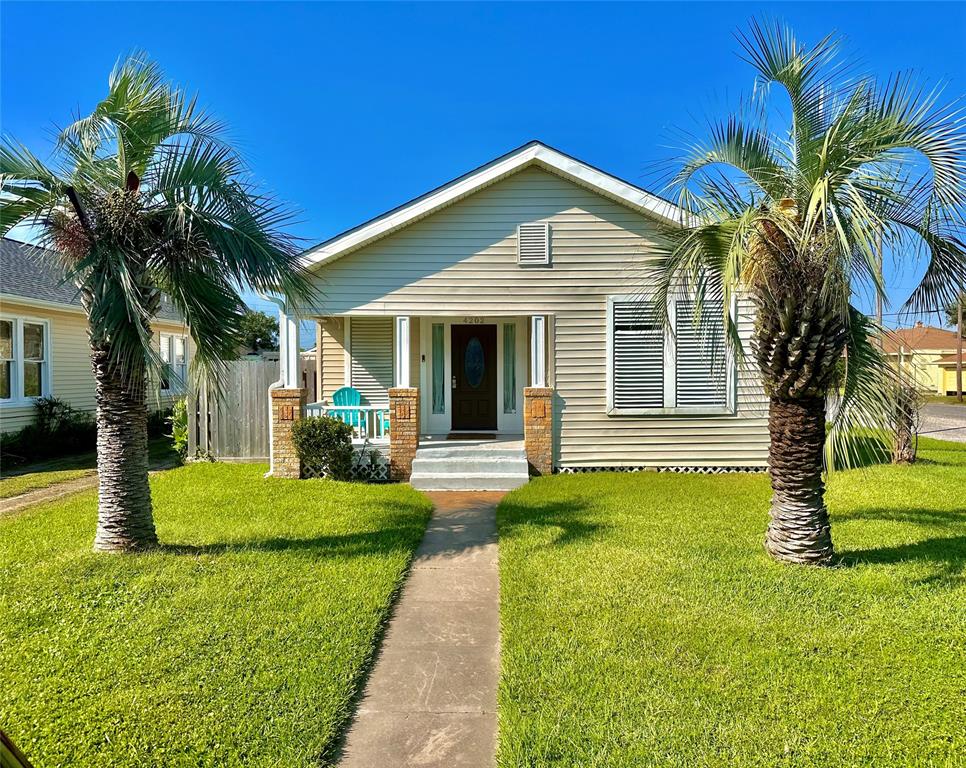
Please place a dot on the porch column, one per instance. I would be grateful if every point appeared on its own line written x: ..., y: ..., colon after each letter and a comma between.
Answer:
x: 538, y: 403
x: 538, y: 351
x: 403, y: 431
x: 287, y: 397
x: 401, y: 354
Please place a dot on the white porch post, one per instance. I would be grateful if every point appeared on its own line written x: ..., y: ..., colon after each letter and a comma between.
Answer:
x: 288, y: 348
x: 538, y: 351
x: 401, y: 373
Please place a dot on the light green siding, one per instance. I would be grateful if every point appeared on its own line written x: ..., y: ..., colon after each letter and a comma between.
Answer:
x: 462, y: 261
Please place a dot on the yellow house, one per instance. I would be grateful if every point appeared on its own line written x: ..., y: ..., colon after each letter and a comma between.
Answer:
x: 43, y: 340
x: 927, y: 354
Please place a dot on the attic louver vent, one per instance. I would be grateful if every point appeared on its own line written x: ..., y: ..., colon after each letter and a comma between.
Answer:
x: 533, y: 244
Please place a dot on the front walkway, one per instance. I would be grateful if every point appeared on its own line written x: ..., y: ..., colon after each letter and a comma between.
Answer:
x: 431, y: 697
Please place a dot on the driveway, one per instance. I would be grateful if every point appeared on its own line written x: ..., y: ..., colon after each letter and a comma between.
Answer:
x: 946, y: 422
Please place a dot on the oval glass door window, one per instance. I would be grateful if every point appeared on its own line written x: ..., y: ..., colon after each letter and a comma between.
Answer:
x: 473, y: 363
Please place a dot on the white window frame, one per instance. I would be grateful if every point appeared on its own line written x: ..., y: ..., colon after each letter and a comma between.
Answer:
x: 17, y: 397
x: 670, y: 372
x: 174, y: 385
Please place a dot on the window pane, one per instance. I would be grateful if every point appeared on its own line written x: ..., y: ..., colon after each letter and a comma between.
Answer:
x: 439, y: 370
x: 6, y: 339
x: 638, y: 363
x: 32, y: 378
x: 700, y: 355
x: 179, y: 350
x: 5, y: 375
x: 33, y: 341
x: 509, y: 368
x: 165, y: 348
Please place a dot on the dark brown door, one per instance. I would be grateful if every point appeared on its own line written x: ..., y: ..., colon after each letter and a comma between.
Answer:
x: 474, y: 376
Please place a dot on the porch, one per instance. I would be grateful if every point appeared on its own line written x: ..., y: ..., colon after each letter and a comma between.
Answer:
x: 407, y: 382
x: 470, y: 372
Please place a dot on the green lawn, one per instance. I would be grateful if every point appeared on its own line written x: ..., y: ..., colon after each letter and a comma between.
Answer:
x: 944, y: 399
x: 241, y: 641
x: 31, y: 481
x: 44, y: 474
x: 643, y: 624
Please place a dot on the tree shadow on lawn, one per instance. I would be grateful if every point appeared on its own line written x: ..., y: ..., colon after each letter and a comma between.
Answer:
x: 947, y: 553
x: 397, y: 533
x: 568, y: 517
x: 943, y: 518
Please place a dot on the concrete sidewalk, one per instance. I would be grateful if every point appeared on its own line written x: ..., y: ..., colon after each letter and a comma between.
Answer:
x: 430, y: 700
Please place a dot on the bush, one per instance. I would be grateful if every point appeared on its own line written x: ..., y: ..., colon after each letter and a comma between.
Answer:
x: 158, y: 422
x: 324, y: 443
x: 179, y: 427
x: 58, y: 430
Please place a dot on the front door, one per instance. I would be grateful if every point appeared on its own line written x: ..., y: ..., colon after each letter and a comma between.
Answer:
x: 474, y: 377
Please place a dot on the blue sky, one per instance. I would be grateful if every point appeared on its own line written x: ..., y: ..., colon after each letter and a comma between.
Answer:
x: 346, y: 110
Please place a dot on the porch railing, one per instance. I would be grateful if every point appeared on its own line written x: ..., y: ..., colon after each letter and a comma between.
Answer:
x: 367, y: 421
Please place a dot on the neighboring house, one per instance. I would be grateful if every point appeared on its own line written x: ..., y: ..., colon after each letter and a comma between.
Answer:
x: 44, y: 349
x: 927, y: 355
x: 527, y: 272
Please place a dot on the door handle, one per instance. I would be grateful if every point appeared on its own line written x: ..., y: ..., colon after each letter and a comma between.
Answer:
x: 454, y: 381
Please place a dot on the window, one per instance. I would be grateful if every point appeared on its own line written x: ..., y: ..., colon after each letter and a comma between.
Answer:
x: 509, y: 368
x: 174, y: 355
x: 24, y: 359
x: 439, y: 375
x: 533, y: 244
x: 653, y: 369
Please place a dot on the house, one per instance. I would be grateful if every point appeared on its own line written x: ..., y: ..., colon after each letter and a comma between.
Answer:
x: 507, y: 304
x: 44, y: 348
x: 927, y: 354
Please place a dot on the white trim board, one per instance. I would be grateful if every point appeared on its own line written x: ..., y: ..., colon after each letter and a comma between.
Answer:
x: 533, y: 154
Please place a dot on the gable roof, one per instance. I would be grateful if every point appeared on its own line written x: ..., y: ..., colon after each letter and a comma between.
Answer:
x: 919, y: 337
x: 27, y: 272
x: 534, y: 153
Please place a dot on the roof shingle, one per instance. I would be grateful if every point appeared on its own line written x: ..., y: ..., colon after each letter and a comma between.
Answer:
x: 30, y: 272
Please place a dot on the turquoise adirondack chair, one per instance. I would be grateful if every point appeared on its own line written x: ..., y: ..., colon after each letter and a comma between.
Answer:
x: 347, y: 396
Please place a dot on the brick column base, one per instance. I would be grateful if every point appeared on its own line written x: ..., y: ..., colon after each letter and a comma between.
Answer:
x: 403, y: 431
x: 288, y: 405
x: 538, y: 428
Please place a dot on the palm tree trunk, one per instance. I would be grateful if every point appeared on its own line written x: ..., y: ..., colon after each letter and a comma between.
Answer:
x: 124, y: 516
x: 798, y: 529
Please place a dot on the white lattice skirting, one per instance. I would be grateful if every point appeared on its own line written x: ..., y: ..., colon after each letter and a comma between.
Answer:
x: 370, y: 465
x: 685, y: 470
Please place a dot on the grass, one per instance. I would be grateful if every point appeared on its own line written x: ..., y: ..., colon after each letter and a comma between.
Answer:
x: 943, y: 399
x: 31, y: 481
x: 45, y: 474
x: 240, y: 641
x: 643, y: 624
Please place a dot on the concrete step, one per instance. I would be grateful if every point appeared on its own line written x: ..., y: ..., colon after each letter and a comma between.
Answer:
x: 461, y: 451
x: 467, y: 481
x: 475, y: 463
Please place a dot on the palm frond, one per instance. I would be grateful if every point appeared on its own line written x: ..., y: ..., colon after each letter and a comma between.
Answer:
x: 864, y: 411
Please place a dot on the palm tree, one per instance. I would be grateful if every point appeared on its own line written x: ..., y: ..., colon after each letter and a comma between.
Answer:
x: 792, y: 217
x: 144, y: 199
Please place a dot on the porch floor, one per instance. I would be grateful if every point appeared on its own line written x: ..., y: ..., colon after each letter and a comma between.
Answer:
x: 500, y: 442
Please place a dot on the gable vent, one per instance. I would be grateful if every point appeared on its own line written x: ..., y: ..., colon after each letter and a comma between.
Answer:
x: 533, y: 244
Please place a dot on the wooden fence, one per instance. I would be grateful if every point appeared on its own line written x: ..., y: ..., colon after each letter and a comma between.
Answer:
x: 235, y: 425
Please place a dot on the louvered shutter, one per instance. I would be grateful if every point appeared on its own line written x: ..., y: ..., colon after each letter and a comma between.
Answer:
x: 533, y: 244
x: 638, y: 362
x: 699, y: 351
x: 371, y: 353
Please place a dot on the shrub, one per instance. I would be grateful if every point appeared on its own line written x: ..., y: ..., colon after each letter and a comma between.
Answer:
x: 179, y: 427
x: 324, y: 443
x: 158, y: 422
x: 57, y: 430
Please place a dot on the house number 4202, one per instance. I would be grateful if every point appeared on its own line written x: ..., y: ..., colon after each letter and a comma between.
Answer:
x: 474, y: 320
